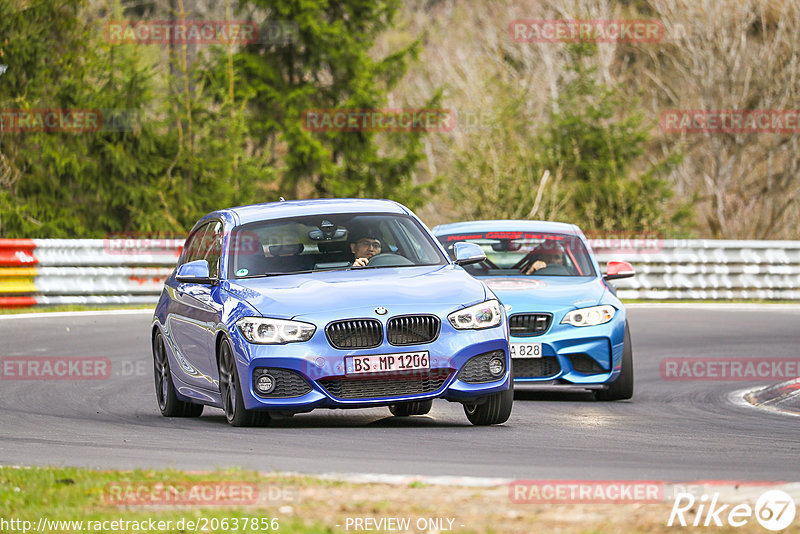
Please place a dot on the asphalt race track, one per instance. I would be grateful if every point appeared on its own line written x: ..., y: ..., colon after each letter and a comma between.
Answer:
x: 671, y: 430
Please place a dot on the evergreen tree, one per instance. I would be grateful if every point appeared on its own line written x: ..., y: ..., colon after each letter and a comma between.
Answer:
x: 82, y: 183
x: 326, y: 63
x: 596, y: 140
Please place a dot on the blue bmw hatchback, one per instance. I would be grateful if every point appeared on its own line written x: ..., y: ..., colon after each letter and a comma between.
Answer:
x: 567, y: 326
x: 290, y: 306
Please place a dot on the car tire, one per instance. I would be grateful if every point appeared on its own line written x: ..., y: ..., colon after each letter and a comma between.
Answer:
x: 411, y: 408
x: 495, y: 410
x: 231, y: 391
x: 168, y: 401
x: 622, y: 387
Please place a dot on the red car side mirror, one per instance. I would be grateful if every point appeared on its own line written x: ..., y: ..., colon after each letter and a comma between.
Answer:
x: 618, y: 269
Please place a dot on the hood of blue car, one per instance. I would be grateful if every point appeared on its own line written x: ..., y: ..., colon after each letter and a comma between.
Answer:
x: 432, y: 289
x: 549, y: 294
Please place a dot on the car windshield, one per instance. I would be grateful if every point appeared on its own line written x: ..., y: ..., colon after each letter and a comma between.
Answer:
x: 329, y: 242
x: 525, y: 253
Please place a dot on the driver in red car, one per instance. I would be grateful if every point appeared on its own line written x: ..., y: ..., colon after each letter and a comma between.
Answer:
x: 547, y: 254
x: 364, y: 245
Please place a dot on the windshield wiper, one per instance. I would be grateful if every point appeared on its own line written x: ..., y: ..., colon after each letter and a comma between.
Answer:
x: 350, y: 268
x: 394, y: 266
x: 263, y: 275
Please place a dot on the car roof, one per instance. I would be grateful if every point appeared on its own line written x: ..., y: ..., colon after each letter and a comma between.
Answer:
x: 506, y: 225
x: 299, y: 208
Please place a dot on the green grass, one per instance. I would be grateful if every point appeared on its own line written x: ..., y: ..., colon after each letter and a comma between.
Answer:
x: 72, y: 494
x: 297, y: 503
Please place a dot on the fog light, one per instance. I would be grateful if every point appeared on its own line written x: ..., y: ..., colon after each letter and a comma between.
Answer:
x: 496, y: 366
x: 265, y: 384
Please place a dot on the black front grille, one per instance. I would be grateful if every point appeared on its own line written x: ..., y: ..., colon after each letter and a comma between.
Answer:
x: 287, y: 383
x: 529, y: 324
x: 366, y: 388
x: 412, y: 329
x: 355, y: 334
x: 583, y: 363
x: 535, y: 367
x: 476, y: 370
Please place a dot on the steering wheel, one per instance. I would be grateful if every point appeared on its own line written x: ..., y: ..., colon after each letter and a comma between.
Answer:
x: 388, y: 259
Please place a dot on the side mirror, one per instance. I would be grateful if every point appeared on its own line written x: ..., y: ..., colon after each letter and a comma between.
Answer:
x: 468, y: 253
x: 618, y: 269
x: 194, y: 272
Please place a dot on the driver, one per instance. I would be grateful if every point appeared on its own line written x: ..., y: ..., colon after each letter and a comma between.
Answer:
x: 549, y: 254
x: 364, y: 245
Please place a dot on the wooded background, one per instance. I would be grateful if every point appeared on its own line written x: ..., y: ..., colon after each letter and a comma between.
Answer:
x: 574, y: 125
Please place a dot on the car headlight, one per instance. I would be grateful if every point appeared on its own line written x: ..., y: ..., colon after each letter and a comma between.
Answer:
x: 266, y: 331
x: 591, y: 316
x: 484, y: 315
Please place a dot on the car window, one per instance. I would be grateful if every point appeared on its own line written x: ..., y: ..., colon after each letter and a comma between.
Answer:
x: 406, y: 240
x: 192, y: 249
x: 516, y: 252
x: 323, y: 242
x: 212, y: 245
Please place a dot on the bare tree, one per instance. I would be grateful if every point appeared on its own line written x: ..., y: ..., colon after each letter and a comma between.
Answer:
x: 714, y: 55
x: 502, y: 92
x: 731, y: 55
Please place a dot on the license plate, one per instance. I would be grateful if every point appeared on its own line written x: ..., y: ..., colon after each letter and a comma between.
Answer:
x: 382, y: 363
x: 526, y: 350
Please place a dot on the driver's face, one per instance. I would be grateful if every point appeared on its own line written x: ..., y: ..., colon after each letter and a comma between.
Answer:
x: 365, y: 248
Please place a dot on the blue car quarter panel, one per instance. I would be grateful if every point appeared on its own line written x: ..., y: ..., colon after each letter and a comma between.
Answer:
x: 309, y: 328
x: 538, y: 296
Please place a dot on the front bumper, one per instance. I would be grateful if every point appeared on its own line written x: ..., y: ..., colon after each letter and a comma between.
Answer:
x: 573, y: 356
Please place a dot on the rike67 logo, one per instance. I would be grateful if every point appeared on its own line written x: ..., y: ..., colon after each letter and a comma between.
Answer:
x: 774, y: 510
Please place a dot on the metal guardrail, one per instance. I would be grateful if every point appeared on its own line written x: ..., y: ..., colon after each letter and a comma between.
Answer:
x: 708, y: 269
x: 131, y: 271
x: 84, y: 271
